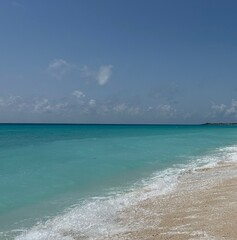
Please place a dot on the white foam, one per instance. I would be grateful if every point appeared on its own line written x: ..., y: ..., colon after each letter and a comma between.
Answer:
x: 97, y: 218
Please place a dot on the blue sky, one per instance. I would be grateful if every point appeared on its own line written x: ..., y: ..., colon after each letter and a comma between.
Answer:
x: 111, y: 61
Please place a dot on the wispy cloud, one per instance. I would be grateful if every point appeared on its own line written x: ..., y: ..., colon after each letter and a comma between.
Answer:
x: 120, y: 107
x: 219, y: 108
x: 80, y: 107
x: 86, y: 72
x: 126, y: 109
x: 92, y: 103
x: 104, y: 74
x: 42, y: 106
x: 224, y: 110
x: 14, y: 103
x: 59, y: 67
x: 232, y: 110
x: 166, y: 110
x: 78, y: 94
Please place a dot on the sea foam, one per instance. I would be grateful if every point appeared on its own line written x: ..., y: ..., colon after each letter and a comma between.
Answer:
x: 97, y: 218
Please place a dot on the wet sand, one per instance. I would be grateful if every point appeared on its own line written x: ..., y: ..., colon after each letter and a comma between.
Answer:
x: 203, y: 206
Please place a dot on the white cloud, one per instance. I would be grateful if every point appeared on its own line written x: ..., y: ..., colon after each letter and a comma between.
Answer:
x: 222, y: 110
x: 124, y: 108
x: 42, y: 106
x: 134, y: 110
x: 78, y: 94
x: 86, y: 72
x: 219, y: 108
x: 13, y: 103
x: 104, y: 74
x: 232, y: 110
x: 166, y: 110
x: 61, y: 106
x: 82, y: 108
x: 101, y: 76
x: 149, y: 109
x: 120, y: 108
x: 92, y: 103
x: 59, y: 67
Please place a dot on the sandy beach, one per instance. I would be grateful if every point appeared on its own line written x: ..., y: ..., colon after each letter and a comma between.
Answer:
x: 203, y: 206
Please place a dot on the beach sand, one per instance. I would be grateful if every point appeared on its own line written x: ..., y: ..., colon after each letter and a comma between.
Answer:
x: 203, y: 206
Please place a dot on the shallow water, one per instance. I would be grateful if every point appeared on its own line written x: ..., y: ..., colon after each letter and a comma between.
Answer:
x: 59, y: 179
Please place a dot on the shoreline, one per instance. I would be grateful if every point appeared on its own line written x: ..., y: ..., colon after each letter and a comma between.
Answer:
x: 203, y: 206
x: 195, y: 203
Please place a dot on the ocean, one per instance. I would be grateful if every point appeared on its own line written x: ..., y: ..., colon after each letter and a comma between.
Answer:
x: 68, y: 182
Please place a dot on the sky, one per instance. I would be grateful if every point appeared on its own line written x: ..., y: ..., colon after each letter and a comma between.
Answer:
x: 113, y: 61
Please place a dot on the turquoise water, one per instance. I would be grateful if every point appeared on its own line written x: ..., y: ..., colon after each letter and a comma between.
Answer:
x: 54, y: 172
